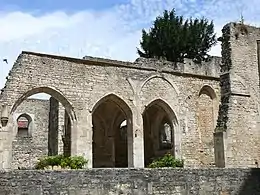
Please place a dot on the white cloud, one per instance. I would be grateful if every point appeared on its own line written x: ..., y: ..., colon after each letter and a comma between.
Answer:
x: 113, y: 33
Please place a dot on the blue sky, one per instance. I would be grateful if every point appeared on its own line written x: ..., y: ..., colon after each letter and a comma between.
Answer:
x: 103, y: 28
x: 54, y: 5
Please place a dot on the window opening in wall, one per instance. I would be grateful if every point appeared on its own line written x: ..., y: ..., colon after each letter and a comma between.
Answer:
x: 23, y: 126
x: 123, y: 130
x: 165, y: 136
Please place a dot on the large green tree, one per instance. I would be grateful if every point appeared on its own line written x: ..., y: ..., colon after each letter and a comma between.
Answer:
x: 173, y: 38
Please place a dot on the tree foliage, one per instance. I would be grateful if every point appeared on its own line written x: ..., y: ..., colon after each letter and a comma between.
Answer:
x: 173, y: 38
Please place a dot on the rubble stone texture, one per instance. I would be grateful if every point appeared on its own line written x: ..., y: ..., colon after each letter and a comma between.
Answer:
x: 132, y: 182
x: 113, y: 113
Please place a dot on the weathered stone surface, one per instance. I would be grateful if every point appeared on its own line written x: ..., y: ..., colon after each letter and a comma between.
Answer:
x: 132, y: 182
x: 239, y: 110
x: 81, y: 85
x: 27, y: 150
x: 99, y: 94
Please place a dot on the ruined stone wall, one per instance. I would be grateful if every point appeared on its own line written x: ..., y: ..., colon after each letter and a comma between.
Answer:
x: 80, y: 84
x: 27, y: 150
x: 239, y: 110
x: 132, y: 181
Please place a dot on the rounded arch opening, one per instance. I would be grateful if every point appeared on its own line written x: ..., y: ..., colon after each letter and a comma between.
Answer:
x: 24, y: 124
x: 208, y: 90
x: 160, y: 128
x: 51, y: 92
x: 110, y: 149
x: 51, y: 116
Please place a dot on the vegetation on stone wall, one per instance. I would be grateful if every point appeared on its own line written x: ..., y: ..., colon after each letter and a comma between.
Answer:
x: 71, y: 162
x: 167, y: 160
x: 173, y: 38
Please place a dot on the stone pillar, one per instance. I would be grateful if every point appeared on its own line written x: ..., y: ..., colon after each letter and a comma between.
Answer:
x: 81, y: 136
x: 219, y: 149
x: 135, y: 141
x: 6, y: 138
x: 53, y: 131
x: 5, y: 150
x: 67, y: 136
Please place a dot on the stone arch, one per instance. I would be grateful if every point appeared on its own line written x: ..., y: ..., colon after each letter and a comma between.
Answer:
x: 109, y: 150
x: 206, y: 122
x: 132, y: 85
x: 50, y: 135
x: 175, y: 88
x: 208, y: 90
x: 50, y: 91
x: 154, y: 116
x: 165, y: 105
x: 117, y: 100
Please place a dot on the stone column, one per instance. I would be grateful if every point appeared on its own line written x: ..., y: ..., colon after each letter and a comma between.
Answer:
x: 53, y: 131
x: 6, y: 138
x: 135, y: 141
x: 81, y: 136
x: 67, y: 135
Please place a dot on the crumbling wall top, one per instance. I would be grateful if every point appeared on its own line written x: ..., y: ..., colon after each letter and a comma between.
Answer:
x: 207, y: 68
x: 210, y: 68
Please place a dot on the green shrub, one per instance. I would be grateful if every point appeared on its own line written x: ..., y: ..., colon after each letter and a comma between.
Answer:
x: 72, y: 162
x: 166, y: 161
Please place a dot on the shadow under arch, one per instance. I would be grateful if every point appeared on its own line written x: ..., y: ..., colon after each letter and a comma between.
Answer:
x: 165, y: 106
x: 50, y: 91
x: 25, y: 130
x: 117, y: 100
x: 109, y: 148
x: 208, y: 90
x: 25, y: 115
x: 155, y: 114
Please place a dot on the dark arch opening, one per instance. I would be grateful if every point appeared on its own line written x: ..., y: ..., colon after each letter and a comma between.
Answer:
x: 24, y: 123
x: 207, y: 90
x: 160, y: 124
x: 110, y: 139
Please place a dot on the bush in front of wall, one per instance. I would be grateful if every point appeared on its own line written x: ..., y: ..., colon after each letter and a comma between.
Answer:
x: 64, y: 162
x: 167, y: 160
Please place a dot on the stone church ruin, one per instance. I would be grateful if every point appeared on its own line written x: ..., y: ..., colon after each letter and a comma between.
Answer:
x: 125, y: 114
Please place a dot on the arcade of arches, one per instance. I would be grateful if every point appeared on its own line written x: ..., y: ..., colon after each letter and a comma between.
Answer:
x: 112, y: 131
